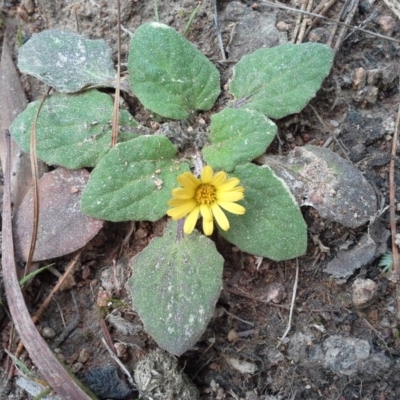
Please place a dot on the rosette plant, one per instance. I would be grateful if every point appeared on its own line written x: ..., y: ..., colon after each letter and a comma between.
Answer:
x: 177, y: 279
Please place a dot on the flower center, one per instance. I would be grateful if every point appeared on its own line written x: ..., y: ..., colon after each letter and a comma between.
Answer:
x: 205, y: 194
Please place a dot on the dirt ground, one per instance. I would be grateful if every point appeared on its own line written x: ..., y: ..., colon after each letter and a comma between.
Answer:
x: 334, y: 349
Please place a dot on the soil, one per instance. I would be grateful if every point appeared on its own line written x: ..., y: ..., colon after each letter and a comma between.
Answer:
x: 338, y: 346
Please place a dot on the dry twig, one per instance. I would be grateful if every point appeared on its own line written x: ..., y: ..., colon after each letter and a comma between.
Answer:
x: 114, y: 135
x: 304, y: 23
x: 218, y: 29
x: 35, y: 182
x: 118, y: 361
x: 58, y: 377
x: 344, y: 28
x: 289, y: 326
x: 283, y: 7
x: 321, y: 9
x: 392, y: 208
x: 48, y: 299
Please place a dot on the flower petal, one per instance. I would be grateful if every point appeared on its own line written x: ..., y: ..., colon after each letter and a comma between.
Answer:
x: 207, y: 174
x: 188, y: 180
x: 182, y: 210
x: 220, y: 217
x: 191, y: 220
x: 232, y: 207
x: 230, y: 196
x: 229, y: 184
x: 206, y: 212
x: 218, y: 179
x: 208, y: 226
x: 183, y: 193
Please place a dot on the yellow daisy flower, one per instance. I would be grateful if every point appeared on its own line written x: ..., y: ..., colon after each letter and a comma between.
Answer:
x: 206, y: 196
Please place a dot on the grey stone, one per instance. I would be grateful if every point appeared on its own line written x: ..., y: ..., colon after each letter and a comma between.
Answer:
x: 345, y: 355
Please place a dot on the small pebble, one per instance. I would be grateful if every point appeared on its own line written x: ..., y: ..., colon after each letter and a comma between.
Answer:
x: 84, y: 355
x: 364, y: 292
x: 387, y: 24
x: 289, y: 137
x: 232, y: 336
x: 76, y: 367
x: 276, y: 293
x: 103, y: 298
x: 319, y: 35
x: 68, y: 283
x: 334, y: 123
x: 282, y: 26
x: 384, y: 323
x: 359, y: 78
x: 86, y: 272
x: 107, y: 279
x: 141, y: 233
x: 48, y: 333
x: 29, y: 6
x: 367, y: 95
x: 105, y: 383
x: 373, y: 76
x: 121, y: 349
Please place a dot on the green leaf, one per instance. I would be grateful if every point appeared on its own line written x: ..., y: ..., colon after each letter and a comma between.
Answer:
x: 133, y: 181
x: 73, y: 130
x: 175, y: 284
x: 168, y: 74
x: 67, y: 61
x: 33, y: 274
x: 281, y: 80
x: 237, y: 136
x: 272, y: 226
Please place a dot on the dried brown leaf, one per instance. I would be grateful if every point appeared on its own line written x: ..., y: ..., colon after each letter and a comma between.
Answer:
x: 62, y: 226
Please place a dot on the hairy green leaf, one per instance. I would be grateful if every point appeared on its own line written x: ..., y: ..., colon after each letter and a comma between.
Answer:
x: 175, y: 284
x: 168, y: 74
x: 133, y: 181
x: 73, y: 130
x: 237, y: 136
x: 281, y: 80
x: 272, y: 226
x: 66, y: 61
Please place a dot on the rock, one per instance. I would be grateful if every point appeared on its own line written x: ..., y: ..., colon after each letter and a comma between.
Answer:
x: 103, y: 298
x: 387, y: 24
x: 282, y: 26
x: 250, y: 30
x: 122, y: 350
x: 105, y: 383
x: 48, y: 333
x: 84, y: 355
x: 244, y: 367
x: 322, y: 179
x: 298, y: 347
x: 275, y: 356
x: 373, y: 76
x: 359, y: 78
x: 232, y: 336
x: 76, y: 367
x: 377, y: 365
x: 345, y: 355
x: 107, y: 279
x: 33, y: 388
x: 276, y: 293
x: 364, y: 292
x: 319, y: 35
x: 348, y: 261
x: 367, y: 95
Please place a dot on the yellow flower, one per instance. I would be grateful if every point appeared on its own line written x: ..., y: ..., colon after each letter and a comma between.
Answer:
x: 206, y: 196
